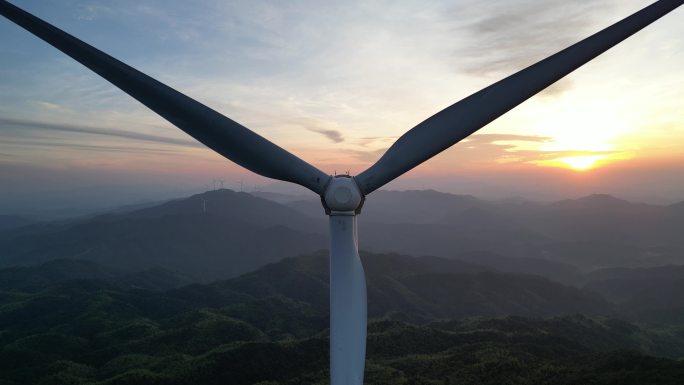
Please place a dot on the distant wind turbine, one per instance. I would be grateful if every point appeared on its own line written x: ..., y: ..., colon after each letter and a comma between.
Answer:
x: 342, y: 195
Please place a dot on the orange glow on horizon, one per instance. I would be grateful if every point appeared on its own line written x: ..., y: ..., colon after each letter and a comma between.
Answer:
x: 581, y: 163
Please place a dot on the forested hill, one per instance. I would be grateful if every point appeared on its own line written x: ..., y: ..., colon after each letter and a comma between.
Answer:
x: 422, y: 288
x: 70, y: 322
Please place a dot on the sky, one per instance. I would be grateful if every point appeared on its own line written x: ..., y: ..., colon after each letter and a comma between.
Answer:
x: 336, y: 83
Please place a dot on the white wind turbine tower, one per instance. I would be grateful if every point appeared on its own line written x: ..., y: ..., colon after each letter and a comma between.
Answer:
x: 342, y: 195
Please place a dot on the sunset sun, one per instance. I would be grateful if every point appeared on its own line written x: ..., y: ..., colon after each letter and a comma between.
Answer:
x: 581, y: 163
x: 584, y: 134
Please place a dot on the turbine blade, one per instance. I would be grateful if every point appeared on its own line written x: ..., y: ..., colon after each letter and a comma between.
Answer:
x: 214, y: 130
x: 348, y: 309
x: 456, y: 122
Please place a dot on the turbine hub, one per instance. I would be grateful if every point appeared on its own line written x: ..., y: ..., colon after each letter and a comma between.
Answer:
x: 342, y: 196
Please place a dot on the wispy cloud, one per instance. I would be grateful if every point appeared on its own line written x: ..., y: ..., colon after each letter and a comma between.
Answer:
x: 334, y: 135
x: 510, y: 148
x: 320, y: 126
x: 476, y: 148
x: 375, y: 141
x: 91, y: 11
x: 42, y: 126
x: 364, y: 156
x: 492, y: 138
x: 49, y: 106
x: 85, y: 147
x: 509, y: 36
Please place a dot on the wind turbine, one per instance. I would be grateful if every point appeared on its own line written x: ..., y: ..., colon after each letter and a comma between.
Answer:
x: 342, y: 195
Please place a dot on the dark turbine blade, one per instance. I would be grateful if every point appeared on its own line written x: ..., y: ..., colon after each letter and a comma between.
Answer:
x: 456, y: 122
x: 216, y: 131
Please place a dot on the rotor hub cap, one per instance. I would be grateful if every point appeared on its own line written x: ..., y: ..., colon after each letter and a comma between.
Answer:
x: 342, y: 194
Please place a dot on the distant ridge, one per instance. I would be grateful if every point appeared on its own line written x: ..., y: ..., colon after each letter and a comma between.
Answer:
x: 421, y: 288
x: 223, y: 233
x: 8, y: 222
x: 597, y: 201
x: 207, y: 236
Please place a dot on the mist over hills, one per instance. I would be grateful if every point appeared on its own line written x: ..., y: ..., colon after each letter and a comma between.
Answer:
x: 556, y: 271
x: 235, y: 233
x: 591, y: 232
x: 422, y: 288
x: 36, y: 278
x: 415, y: 289
x: 222, y: 233
x: 8, y: 222
x: 650, y: 294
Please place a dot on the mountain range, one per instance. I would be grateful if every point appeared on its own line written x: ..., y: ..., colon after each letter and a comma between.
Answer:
x: 222, y: 234
x: 208, y: 236
x: 8, y: 222
x: 228, y: 287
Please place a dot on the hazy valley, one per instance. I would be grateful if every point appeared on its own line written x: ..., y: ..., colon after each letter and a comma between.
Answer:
x: 223, y: 233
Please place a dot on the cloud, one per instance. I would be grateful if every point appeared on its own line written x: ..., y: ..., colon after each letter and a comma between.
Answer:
x: 49, y: 106
x: 375, y: 141
x: 507, y: 36
x: 85, y: 147
x: 42, y: 126
x: 334, y: 135
x: 90, y: 12
x: 492, y: 138
x: 320, y: 126
x: 502, y: 148
x: 475, y: 148
x: 364, y: 156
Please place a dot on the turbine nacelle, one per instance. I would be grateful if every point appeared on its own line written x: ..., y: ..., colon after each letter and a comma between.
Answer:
x: 342, y: 196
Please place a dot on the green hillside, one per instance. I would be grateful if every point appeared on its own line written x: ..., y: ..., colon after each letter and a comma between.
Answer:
x: 78, y: 323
